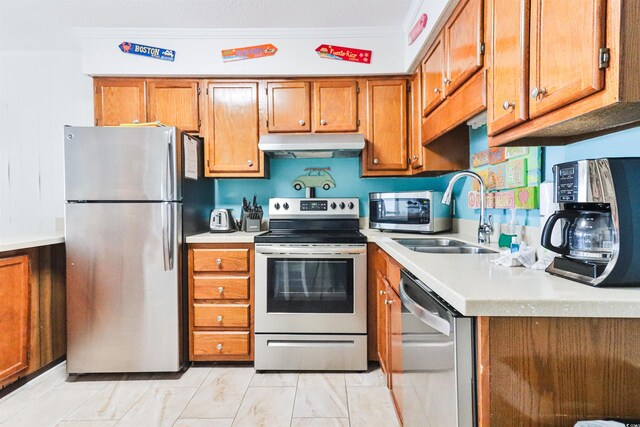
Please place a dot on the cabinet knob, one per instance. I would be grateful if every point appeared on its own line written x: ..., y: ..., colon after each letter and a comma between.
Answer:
x: 301, y: 122
x: 219, y: 346
x: 388, y: 301
x: 538, y: 92
x: 414, y: 157
x: 219, y: 261
x: 219, y: 318
x: 446, y: 80
x: 323, y: 122
x: 136, y: 121
x: 436, y: 90
x: 383, y: 293
x: 220, y: 289
x: 376, y: 161
x: 250, y: 162
x: 506, y: 105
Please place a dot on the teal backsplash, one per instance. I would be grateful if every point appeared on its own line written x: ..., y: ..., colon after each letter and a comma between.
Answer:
x: 346, y: 172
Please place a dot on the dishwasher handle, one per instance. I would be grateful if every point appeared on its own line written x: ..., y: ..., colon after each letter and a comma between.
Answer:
x: 430, y: 318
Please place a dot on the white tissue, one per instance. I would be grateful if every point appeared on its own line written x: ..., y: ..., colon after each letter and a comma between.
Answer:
x: 525, y: 257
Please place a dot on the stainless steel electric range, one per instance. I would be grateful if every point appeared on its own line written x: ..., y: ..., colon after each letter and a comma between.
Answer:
x: 311, y: 287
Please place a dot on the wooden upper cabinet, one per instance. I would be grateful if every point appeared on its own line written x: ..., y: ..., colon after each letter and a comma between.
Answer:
x: 174, y: 102
x: 508, y: 77
x: 14, y: 316
x: 335, y: 106
x: 386, y: 134
x: 566, y: 37
x: 433, y: 77
x: 415, y: 121
x: 463, y: 40
x: 231, y: 141
x: 118, y: 101
x: 288, y: 106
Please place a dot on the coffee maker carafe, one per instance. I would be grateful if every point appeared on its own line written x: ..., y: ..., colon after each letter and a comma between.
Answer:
x: 599, y: 217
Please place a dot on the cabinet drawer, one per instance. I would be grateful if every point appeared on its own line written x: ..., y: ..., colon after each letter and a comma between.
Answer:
x: 221, y: 315
x: 221, y: 287
x: 221, y: 343
x: 221, y: 259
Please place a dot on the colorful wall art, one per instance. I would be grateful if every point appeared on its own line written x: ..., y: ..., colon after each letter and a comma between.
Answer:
x: 511, y: 176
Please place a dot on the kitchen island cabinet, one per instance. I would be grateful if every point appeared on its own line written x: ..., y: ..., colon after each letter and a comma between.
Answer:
x: 32, y: 310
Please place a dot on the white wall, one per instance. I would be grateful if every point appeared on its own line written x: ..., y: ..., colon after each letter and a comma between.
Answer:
x: 198, y: 52
x: 40, y: 92
x: 434, y: 10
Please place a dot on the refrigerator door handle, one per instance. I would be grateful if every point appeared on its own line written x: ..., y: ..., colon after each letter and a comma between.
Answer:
x: 169, y: 169
x: 167, y: 235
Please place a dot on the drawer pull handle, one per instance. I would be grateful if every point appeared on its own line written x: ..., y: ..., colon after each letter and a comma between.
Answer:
x: 220, y: 318
x: 323, y: 122
x: 249, y: 162
x: 301, y: 122
x: 220, y: 289
x: 219, y: 346
x: 219, y: 261
x: 376, y: 161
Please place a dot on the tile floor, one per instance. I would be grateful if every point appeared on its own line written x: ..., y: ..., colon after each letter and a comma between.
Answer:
x: 201, y: 397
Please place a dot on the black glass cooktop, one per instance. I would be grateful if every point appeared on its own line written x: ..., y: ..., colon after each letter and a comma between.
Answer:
x: 307, y: 236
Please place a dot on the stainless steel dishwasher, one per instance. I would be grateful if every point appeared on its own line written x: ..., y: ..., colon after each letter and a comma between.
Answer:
x: 437, y: 382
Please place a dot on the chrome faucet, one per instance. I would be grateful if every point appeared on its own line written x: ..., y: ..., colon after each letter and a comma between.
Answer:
x: 485, y: 229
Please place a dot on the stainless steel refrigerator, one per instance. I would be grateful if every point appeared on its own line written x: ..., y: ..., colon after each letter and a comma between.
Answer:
x: 129, y: 205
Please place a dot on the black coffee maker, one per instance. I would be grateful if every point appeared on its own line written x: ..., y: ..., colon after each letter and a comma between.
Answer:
x: 600, y: 222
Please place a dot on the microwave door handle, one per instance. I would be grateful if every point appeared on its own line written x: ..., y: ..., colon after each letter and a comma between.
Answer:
x: 431, y: 319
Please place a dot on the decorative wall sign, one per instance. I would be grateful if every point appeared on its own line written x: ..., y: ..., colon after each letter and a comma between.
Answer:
x: 526, y: 198
x: 417, y: 28
x: 497, y: 177
x: 512, y: 152
x: 342, y: 53
x: 148, y: 51
x: 504, y: 200
x: 473, y: 200
x: 516, y: 173
x: 496, y: 155
x: 484, y: 174
x: 249, y: 52
x: 315, y: 177
x: 480, y: 159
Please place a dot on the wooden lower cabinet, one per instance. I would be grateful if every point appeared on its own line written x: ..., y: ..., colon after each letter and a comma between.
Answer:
x: 32, y: 310
x: 394, y: 346
x: 540, y: 371
x: 221, y: 278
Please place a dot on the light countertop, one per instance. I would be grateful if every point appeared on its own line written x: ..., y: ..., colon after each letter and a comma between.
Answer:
x: 14, y: 243
x: 233, y: 237
x: 477, y: 287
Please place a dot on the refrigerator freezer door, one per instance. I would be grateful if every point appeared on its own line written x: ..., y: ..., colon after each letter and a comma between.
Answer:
x: 123, y: 287
x: 122, y: 164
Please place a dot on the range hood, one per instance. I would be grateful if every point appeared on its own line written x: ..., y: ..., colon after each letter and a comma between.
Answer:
x: 312, y: 145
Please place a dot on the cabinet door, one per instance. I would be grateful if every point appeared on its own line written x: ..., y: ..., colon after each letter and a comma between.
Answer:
x: 394, y: 313
x: 231, y: 142
x: 415, y: 121
x: 433, y: 77
x: 508, y: 74
x: 566, y: 37
x: 335, y: 106
x: 14, y: 316
x: 386, y: 125
x: 118, y: 101
x: 381, y: 314
x: 288, y: 106
x: 174, y: 103
x: 463, y: 40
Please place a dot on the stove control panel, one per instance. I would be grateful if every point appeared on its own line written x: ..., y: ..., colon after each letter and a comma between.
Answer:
x: 307, y: 208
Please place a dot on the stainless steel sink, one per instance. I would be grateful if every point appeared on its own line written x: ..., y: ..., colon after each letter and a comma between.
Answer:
x: 429, y: 243
x: 442, y: 246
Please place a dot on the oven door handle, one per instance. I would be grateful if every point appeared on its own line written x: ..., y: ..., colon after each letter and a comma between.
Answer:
x: 274, y: 250
x: 432, y: 319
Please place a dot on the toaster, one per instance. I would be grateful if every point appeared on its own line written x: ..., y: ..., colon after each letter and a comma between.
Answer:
x: 221, y: 221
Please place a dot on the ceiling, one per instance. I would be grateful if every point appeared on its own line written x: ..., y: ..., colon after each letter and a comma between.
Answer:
x: 50, y: 24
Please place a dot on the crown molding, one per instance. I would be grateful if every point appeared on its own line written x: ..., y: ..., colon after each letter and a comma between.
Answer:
x: 240, y: 33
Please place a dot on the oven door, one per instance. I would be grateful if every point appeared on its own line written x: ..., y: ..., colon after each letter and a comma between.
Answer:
x: 311, y: 289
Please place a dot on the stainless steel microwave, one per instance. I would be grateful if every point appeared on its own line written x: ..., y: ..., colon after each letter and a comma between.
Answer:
x: 412, y: 211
